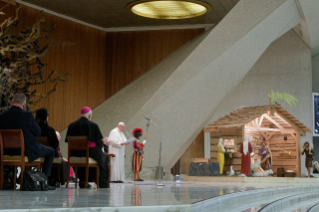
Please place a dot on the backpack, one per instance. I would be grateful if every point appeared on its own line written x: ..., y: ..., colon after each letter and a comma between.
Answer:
x: 34, y: 181
x: 7, y: 179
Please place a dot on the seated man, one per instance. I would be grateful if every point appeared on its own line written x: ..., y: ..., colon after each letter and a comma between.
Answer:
x: 85, y: 127
x: 17, y: 118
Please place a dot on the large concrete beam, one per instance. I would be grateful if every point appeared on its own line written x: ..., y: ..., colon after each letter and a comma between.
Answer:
x: 186, y: 101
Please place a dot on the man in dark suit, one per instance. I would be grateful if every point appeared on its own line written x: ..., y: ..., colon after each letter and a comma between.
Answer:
x: 17, y: 118
x: 85, y: 127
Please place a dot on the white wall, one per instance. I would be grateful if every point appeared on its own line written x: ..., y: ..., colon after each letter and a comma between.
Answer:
x: 286, y: 67
x: 310, y: 12
x: 315, y: 74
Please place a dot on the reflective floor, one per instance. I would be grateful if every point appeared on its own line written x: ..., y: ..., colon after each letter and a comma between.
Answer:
x: 127, y: 194
x: 256, y: 209
x: 121, y: 195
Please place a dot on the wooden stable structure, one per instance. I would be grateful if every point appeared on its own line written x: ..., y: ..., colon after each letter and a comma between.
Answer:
x: 278, y: 127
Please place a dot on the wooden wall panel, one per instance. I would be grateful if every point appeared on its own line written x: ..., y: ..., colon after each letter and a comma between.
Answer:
x: 130, y: 54
x: 100, y: 63
x: 277, y: 145
x: 85, y: 61
x: 195, y: 150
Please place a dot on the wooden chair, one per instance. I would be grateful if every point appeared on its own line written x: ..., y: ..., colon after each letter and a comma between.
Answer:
x: 57, y: 162
x: 110, y: 156
x: 14, y: 139
x: 81, y: 143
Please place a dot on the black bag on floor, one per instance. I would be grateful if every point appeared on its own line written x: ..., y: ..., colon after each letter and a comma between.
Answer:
x: 7, y: 179
x: 34, y: 181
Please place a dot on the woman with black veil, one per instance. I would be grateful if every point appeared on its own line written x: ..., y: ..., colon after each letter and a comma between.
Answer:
x: 42, y: 117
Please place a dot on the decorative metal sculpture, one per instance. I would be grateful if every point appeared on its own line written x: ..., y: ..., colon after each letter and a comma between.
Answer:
x: 19, y: 54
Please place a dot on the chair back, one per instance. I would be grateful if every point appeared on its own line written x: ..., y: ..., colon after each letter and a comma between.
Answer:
x: 43, y: 140
x: 12, y: 139
x: 78, y: 143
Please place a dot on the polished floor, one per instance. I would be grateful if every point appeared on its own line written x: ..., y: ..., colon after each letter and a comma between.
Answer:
x: 119, y: 195
x: 127, y: 195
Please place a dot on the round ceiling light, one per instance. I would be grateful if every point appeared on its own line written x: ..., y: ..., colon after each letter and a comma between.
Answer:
x: 175, y: 9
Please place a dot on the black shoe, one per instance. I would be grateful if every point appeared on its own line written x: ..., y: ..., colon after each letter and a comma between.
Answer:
x: 82, y: 185
x: 120, y: 181
x: 51, y: 187
x: 52, y: 183
x: 140, y: 179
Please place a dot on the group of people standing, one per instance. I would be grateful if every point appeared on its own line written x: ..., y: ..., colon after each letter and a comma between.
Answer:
x: 18, y: 118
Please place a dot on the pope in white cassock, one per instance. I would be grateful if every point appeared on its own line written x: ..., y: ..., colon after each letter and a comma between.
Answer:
x: 117, y: 141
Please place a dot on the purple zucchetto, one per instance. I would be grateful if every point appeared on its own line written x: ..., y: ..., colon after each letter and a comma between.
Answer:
x: 85, y: 110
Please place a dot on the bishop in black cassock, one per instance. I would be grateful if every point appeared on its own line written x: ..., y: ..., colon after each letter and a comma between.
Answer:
x: 85, y: 127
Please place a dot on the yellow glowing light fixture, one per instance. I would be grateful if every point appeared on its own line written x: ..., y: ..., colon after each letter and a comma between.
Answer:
x: 162, y: 9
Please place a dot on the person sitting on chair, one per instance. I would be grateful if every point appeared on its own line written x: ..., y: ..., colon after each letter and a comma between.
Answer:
x: 42, y: 117
x: 85, y: 127
x: 17, y: 118
x: 65, y: 161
